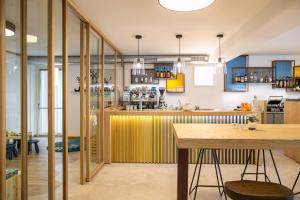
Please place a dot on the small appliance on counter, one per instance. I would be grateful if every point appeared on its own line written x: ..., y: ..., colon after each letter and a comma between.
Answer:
x: 275, y: 109
x: 275, y: 104
x: 141, y: 97
x: 162, y: 103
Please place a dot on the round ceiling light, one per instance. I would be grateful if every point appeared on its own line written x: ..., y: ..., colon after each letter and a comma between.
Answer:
x: 185, y: 5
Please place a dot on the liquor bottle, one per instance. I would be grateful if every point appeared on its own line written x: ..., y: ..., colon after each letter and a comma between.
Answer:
x: 245, y: 78
x: 157, y: 73
x: 168, y: 74
x: 270, y: 77
x: 285, y: 82
x: 251, y: 77
x: 242, y: 79
x: 235, y: 78
x: 261, y: 78
x: 255, y: 77
x: 161, y: 73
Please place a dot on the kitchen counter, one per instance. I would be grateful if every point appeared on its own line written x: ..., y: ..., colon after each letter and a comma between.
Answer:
x: 176, y: 112
x: 147, y: 136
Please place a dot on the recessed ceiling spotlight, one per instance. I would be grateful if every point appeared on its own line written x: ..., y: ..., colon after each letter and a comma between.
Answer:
x: 185, y: 5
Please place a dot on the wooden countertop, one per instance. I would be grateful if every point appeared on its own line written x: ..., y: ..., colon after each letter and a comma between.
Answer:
x: 112, y: 111
x: 267, y: 136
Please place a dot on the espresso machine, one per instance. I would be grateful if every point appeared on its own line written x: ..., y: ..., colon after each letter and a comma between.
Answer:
x: 162, y: 103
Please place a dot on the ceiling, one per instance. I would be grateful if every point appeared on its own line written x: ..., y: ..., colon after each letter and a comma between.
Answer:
x: 250, y: 26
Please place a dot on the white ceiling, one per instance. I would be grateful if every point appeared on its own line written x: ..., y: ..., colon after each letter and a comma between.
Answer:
x: 250, y: 26
x: 240, y: 20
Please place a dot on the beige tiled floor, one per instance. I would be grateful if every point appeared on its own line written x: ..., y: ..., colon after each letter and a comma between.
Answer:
x: 151, y: 181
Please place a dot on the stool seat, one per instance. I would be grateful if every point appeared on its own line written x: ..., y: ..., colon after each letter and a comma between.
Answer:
x: 255, y: 190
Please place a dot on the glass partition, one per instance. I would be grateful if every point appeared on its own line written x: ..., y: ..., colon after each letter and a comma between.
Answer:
x: 58, y: 96
x: 109, y: 76
x: 73, y: 96
x: 95, y: 100
x: 120, y: 80
x: 13, y: 100
x: 37, y: 41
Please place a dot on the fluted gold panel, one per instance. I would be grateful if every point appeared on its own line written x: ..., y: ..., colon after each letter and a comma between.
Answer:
x: 150, y: 139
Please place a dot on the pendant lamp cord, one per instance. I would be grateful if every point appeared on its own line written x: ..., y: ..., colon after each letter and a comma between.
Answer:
x: 138, y: 48
x: 219, y: 47
x: 179, y: 49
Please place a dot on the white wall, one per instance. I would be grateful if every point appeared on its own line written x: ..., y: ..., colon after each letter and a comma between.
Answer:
x: 73, y: 101
x: 215, y: 97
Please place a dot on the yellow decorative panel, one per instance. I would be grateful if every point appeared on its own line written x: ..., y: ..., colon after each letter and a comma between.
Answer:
x: 177, y: 85
x: 297, y: 71
x: 150, y: 139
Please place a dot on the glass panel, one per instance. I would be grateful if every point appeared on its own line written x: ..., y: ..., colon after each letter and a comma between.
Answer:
x: 37, y: 99
x: 109, y: 75
x: 58, y: 84
x: 13, y: 100
x: 95, y: 80
x: 119, y: 80
x: 73, y: 96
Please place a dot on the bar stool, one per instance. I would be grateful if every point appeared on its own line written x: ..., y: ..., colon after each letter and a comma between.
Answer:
x: 256, y: 173
x: 296, y: 184
x: 256, y: 190
x: 36, y: 146
x: 217, y: 170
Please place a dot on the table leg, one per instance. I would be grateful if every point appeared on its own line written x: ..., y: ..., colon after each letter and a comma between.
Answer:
x: 182, y: 174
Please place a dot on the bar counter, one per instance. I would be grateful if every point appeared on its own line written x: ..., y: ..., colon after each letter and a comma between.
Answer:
x: 147, y: 136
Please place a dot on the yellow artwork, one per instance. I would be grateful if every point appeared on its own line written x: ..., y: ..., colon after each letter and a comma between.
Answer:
x: 176, y: 85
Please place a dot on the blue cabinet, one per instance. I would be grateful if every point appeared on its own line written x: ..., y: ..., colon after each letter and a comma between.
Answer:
x: 283, y: 73
x: 240, y: 65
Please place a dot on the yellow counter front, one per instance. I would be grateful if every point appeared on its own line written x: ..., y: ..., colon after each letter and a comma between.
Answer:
x: 147, y: 136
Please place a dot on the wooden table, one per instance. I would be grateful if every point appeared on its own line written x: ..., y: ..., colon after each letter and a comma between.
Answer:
x: 218, y: 136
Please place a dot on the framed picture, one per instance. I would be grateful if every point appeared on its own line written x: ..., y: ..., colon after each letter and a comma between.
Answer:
x: 176, y: 85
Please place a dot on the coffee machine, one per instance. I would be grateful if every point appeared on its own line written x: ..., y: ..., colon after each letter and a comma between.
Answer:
x: 162, y: 103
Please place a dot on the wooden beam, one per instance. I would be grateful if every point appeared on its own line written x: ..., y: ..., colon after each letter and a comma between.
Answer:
x: 51, y: 100
x: 2, y: 103
x: 24, y: 100
x: 65, y: 97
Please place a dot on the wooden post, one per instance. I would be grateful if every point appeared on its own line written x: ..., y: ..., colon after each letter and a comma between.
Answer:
x: 51, y: 100
x: 24, y: 100
x: 82, y: 118
x: 2, y: 103
x: 65, y: 97
x: 87, y: 102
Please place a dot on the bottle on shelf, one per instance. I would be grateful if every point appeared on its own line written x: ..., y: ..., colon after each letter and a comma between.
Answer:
x: 242, y: 79
x: 235, y: 78
x: 245, y: 78
x: 261, y: 77
x: 157, y: 73
x: 270, y: 78
x: 161, y: 73
x: 285, y: 82
x: 255, y: 77
x: 251, y: 77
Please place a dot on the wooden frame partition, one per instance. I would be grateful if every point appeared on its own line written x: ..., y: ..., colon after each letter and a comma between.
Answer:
x: 65, y: 98
x: 82, y: 114
x: 2, y: 103
x: 51, y: 100
x: 24, y: 101
x: 84, y: 122
x: 87, y: 102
